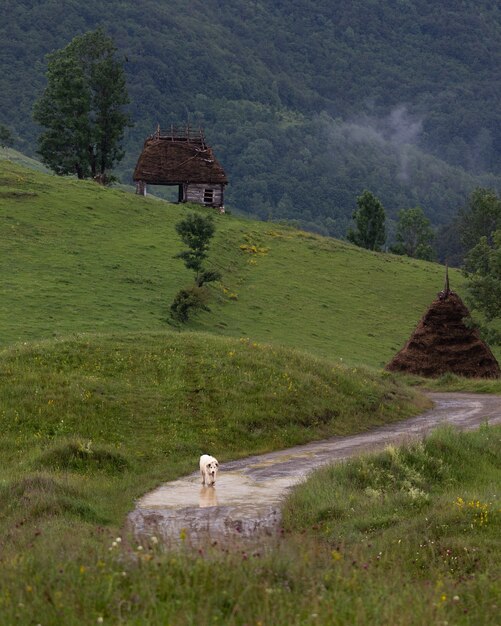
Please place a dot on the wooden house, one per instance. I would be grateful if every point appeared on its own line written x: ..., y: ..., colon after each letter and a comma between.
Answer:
x: 182, y: 158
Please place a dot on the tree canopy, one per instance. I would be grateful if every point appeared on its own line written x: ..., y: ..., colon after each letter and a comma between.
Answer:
x: 414, y: 234
x: 301, y: 100
x: 6, y: 137
x: 81, y: 108
x: 195, y: 231
x: 480, y: 218
x: 481, y: 228
x: 369, y: 220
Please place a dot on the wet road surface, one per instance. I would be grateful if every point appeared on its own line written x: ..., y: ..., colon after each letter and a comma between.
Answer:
x: 248, y: 493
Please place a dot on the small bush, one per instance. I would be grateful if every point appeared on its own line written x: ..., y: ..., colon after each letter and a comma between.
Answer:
x: 189, y: 301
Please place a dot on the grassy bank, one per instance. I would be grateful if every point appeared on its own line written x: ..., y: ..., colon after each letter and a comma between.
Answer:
x: 81, y: 258
x: 90, y: 423
x: 413, y: 541
x: 418, y: 526
x: 451, y: 382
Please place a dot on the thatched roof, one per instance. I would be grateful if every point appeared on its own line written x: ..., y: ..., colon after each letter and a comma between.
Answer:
x: 442, y: 343
x: 173, y: 160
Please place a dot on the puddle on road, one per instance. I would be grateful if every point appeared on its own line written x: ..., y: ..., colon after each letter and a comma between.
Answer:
x: 232, y: 489
x: 246, y: 499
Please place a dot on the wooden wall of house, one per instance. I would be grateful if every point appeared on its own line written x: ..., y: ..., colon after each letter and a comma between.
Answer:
x: 208, y: 194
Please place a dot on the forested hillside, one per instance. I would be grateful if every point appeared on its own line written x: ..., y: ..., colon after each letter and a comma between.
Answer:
x: 305, y: 102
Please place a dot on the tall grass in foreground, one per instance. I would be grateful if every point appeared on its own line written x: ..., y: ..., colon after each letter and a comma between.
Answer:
x: 418, y: 529
x: 406, y: 537
x: 89, y: 423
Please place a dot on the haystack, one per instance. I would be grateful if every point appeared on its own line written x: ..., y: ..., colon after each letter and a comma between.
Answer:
x: 443, y: 343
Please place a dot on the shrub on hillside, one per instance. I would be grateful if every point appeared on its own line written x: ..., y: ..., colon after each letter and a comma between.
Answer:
x: 188, y: 301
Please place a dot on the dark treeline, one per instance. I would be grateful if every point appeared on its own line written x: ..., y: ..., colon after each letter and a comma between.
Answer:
x: 305, y: 103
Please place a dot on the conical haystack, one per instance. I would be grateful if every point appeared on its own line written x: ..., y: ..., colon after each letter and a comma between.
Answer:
x: 443, y: 343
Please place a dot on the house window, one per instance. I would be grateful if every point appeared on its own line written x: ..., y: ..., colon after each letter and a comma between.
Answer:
x: 208, y: 196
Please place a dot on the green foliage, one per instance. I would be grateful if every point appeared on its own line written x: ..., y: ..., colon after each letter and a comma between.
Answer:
x: 81, y: 108
x: 480, y: 218
x: 481, y: 232
x: 414, y: 234
x: 399, y: 479
x: 369, y: 219
x: 6, y: 137
x: 188, y: 301
x: 208, y: 276
x: 117, y: 243
x: 262, y: 97
x: 195, y: 231
x: 405, y: 517
x: 483, y: 269
x: 447, y: 243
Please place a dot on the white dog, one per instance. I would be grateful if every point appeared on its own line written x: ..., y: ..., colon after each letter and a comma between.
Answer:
x: 208, y: 469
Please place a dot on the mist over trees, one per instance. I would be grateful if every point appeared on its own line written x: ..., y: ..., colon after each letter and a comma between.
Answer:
x: 305, y: 103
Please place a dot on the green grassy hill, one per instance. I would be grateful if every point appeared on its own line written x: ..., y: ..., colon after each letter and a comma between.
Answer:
x: 88, y: 424
x: 306, y: 102
x: 82, y: 258
x: 100, y: 399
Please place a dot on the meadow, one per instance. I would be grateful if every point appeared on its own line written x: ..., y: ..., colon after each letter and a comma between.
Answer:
x: 80, y: 258
x: 101, y: 399
x: 90, y: 423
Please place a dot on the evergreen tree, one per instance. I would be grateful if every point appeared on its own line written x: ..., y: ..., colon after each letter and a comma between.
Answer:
x: 483, y: 269
x: 370, y: 223
x: 81, y: 108
x: 482, y: 264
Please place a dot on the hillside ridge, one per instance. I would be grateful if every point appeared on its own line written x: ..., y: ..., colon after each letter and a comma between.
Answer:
x: 83, y: 258
x: 305, y: 103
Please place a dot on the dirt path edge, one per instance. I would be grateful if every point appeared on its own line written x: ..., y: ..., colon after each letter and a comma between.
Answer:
x: 246, y: 501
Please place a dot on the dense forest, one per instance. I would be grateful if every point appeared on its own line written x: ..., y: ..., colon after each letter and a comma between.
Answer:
x: 306, y: 103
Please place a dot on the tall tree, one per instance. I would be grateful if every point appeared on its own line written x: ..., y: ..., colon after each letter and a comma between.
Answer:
x: 480, y: 218
x: 414, y: 234
x: 482, y: 229
x: 370, y: 220
x: 81, y: 108
x: 483, y: 268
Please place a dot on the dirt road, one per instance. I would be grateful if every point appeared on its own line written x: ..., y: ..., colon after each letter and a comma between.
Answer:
x: 246, y: 499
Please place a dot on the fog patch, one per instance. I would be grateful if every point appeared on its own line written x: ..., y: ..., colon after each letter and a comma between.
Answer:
x: 398, y: 133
